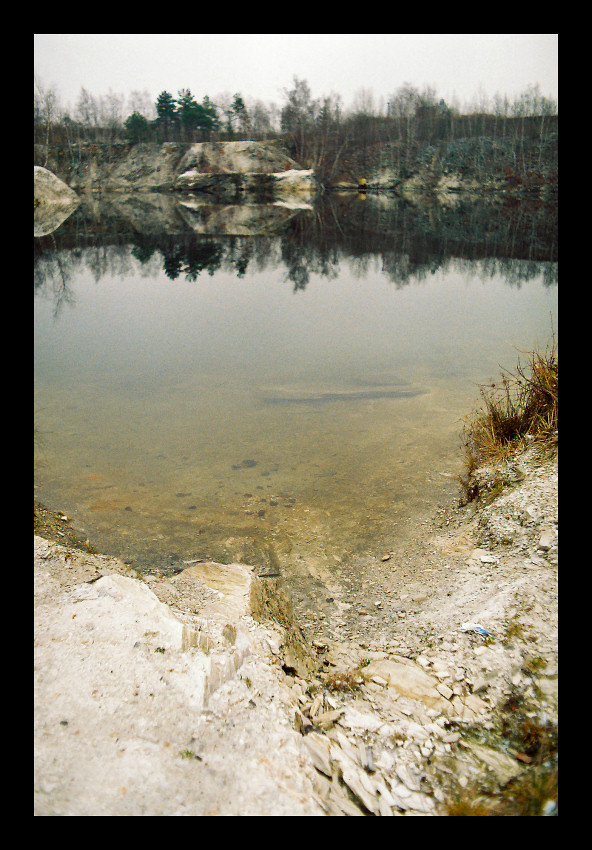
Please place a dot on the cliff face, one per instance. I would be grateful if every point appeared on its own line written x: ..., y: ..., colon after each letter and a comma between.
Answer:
x: 467, y: 167
x: 229, y: 171
x: 223, y: 169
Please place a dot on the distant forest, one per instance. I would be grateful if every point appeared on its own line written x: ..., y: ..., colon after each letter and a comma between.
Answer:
x: 410, y: 130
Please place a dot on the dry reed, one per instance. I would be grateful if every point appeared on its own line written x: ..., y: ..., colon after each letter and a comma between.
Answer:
x: 521, y: 407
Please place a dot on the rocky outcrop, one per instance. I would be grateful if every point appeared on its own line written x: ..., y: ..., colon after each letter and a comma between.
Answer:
x: 53, y: 201
x: 49, y: 189
x: 229, y: 169
x: 236, y: 157
x: 226, y: 170
x: 152, y: 697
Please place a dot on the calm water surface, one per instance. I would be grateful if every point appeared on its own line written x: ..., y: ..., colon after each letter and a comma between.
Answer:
x: 208, y: 396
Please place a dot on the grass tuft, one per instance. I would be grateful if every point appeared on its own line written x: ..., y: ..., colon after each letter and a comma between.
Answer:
x: 533, y: 794
x: 521, y: 407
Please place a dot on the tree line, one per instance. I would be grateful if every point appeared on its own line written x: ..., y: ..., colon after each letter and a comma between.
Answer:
x: 319, y: 132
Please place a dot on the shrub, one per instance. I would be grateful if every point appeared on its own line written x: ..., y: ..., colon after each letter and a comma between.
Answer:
x: 136, y: 127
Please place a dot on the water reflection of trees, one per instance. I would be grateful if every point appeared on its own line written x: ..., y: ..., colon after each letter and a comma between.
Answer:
x: 401, y: 241
x: 51, y: 276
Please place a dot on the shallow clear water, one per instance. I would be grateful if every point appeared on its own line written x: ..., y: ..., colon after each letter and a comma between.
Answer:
x: 214, y: 415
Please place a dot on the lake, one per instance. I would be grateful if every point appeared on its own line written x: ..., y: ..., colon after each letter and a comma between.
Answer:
x: 228, y: 382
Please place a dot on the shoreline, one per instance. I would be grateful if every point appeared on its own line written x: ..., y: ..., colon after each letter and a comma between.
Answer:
x: 405, y: 717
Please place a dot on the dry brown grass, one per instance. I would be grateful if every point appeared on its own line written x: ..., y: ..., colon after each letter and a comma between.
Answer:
x: 346, y: 681
x: 534, y: 743
x: 521, y: 407
x: 526, y: 796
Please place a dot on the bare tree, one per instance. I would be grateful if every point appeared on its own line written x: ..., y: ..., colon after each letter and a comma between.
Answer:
x: 363, y: 102
x: 111, y: 113
x: 46, y: 108
x: 87, y: 110
x: 142, y: 103
x: 298, y: 116
x: 263, y: 120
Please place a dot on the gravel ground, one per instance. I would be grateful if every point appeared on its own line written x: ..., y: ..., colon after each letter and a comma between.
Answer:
x: 403, y: 707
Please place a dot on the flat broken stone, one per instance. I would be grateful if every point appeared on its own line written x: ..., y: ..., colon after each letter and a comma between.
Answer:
x: 445, y: 691
x: 503, y: 766
x: 327, y: 718
x: 359, y: 721
x: 546, y: 540
x: 319, y: 748
x: 408, y: 680
x: 354, y: 779
x: 408, y: 800
x: 477, y: 554
x: 409, y: 780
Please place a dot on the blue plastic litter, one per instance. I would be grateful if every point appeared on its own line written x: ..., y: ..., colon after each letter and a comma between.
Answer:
x: 475, y: 627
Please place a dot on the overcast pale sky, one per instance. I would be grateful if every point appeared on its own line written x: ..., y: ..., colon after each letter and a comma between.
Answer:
x: 262, y: 66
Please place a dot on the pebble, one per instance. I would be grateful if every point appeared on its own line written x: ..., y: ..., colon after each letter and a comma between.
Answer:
x: 410, y: 782
x: 319, y: 748
x: 451, y: 738
x: 328, y: 718
x: 546, y: 540
x: 445, y: 691
x: 417, y: 732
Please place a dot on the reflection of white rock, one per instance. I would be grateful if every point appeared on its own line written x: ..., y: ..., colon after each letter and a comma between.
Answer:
x: 49, y: 217
x: 230, y: 185
x: 293, y: 204
x: 54, y: 201
x: 236, y: 219
x: 295, y: 182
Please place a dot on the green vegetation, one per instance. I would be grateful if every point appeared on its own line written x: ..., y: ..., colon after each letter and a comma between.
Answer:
x: 189, y: 754
x: 137, y: 128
